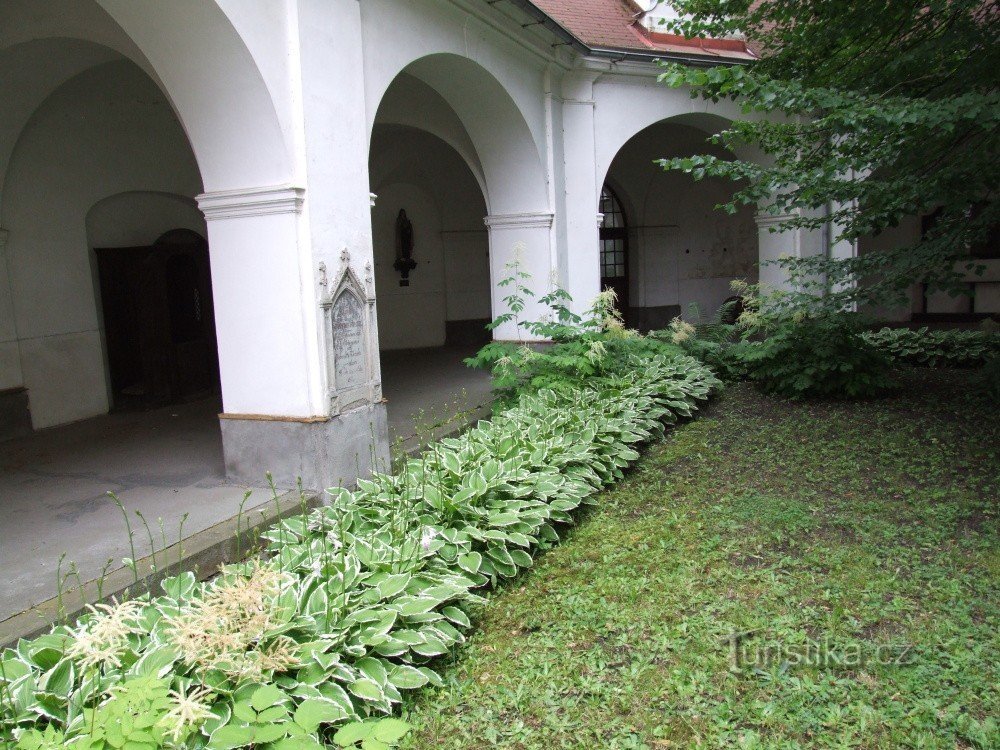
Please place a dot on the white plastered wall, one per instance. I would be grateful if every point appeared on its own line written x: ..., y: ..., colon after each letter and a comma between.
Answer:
x: 107, y: 131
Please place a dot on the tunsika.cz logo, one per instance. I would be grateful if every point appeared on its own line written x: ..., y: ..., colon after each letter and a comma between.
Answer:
x: 754, y: 649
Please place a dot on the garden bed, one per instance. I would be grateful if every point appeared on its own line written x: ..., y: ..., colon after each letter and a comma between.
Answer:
x: 350, y: 605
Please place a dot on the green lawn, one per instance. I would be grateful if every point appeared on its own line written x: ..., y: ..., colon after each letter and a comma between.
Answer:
x: 857, y: 542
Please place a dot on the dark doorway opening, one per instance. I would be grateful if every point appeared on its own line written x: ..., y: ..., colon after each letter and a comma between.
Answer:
x: 158, y: 321
x: 614, y: 248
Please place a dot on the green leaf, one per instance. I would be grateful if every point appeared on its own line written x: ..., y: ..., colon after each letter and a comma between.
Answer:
x: 392, y: 585
x: 405, y: 677
x: 417, y: 606
x: 59, y: 680
x: 268, y: 732
x: 470, y: 562
x: 457, y: 616
x: 373, y: 669
x: 231, y: 736
x: 243, y: 711
x: 390, y: 730
x: 331, y: 691
x: 155, y: 663
x: 353, y: 733
x: 267, y: 696
x: 368, y: 690
x: 315, y: 711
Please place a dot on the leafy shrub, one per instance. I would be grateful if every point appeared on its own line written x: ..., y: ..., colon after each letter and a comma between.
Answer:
x: 789, y: 344
x: 717, y: 343
x: 595, y: 344
x: 820, y: 357
x: 349, y: 605
x: 923, y: 347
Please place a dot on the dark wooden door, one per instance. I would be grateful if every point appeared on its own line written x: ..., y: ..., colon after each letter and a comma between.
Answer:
x: 158, y: 320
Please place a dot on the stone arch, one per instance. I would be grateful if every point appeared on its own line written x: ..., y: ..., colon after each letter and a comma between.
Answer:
x: 487, y: 127
x: 627, y: 110
x: 194, y: 54
x: 682, y: 249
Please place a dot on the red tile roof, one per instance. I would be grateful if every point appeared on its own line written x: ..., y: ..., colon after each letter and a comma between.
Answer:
x: 617, y: 25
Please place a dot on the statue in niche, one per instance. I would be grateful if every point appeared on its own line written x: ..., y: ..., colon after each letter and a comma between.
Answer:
x: 404, y: 248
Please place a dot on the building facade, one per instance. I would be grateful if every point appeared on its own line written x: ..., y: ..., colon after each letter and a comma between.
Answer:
x: 262, y: 196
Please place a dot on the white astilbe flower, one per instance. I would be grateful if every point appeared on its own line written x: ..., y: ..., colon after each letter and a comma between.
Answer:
x: 518, y: 251
x: 595, y: 351
x: 188, y: 712
x: 102, y: 638
x: 681, y: 331
x: 226, y: 628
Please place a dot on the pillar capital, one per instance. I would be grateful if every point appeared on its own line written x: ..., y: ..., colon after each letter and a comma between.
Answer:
x: 254, y: 201
x: 526, y: 220
x: 767, y: 220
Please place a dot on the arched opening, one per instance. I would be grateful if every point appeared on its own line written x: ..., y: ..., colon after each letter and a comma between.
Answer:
x: 432, y: 279
x: 101, y: 163
x: 448, y: 149
x: 428, y: 205
x: 676, y: 252
x: 106, y: 303
x: 158, y: 321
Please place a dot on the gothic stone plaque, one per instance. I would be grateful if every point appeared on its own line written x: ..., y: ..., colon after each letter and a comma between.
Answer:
x: 350, y: 368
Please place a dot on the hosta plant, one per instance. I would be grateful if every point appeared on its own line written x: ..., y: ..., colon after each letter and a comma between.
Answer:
x: 347, y: 607
x: 924, y: 347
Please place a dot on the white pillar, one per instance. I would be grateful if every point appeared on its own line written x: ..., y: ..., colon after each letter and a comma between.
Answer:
x: 524, y: 238
x: 276, y: 369
x: 582, y: 189
x: 256, y: 254
x: 774, y: 245
x: 10, y: 353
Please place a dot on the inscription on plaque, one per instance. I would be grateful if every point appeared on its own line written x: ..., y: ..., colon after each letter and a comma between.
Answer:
x: 349, y: 353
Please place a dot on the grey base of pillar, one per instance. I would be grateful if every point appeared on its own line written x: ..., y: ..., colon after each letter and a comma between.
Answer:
x: 321, y: 453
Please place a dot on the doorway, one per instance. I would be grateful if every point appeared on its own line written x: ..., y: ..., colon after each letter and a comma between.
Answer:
x: 158, y: 321
x: 614, y: 249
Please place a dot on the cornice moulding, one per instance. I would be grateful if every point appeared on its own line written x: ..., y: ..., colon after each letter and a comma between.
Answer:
x: 770, y: 220
x: 518, y: 221
x: 257, y: 201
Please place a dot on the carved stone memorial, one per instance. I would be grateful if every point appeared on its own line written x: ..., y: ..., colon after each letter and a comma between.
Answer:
x: 349, y: 351
x: 349, y: 320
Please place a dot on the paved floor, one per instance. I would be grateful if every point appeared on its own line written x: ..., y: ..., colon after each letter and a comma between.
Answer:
x: 165, y: 463
x: 430, y: 391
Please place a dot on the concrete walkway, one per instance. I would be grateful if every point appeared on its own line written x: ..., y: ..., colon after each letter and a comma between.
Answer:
x: 430, y: 392
x: 166, y: 463
x: 163, y: 463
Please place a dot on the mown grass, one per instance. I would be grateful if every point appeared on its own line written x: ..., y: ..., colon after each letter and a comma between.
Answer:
x: 856, y: 542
